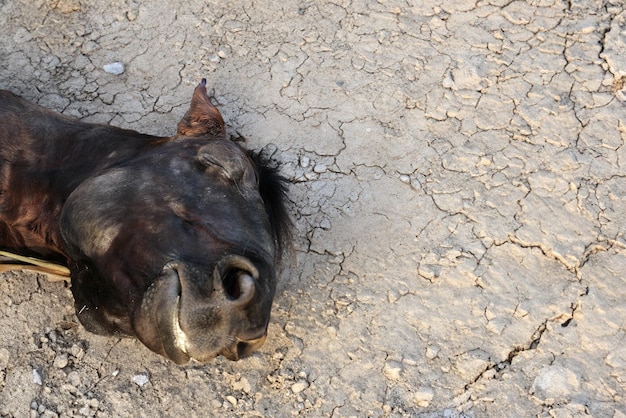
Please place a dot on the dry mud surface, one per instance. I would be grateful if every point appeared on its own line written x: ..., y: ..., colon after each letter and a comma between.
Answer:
x: 459, y: 194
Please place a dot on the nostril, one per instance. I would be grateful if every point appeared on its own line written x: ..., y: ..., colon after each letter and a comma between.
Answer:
x: 236, y: 275
x: 238, y: 285
x: 231, y: 284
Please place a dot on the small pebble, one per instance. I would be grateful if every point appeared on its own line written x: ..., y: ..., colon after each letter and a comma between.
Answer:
x: 232, y: 400
x: 115, y: 68
x: 77, y: 352
x: 304, y: 161
x: 424, y: 395
x: 37, y: 378
x: 141, y: 379
x: 320, y: 168
x: 74, y: 378
x: 299, y: 386
x: 405, y: 179
x: 392, y: 370
x: 432, y: 352
x: 60, y: 361
x: 243, y: 385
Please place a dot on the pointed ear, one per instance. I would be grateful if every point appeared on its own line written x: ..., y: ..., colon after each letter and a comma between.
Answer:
x: 202, y: 118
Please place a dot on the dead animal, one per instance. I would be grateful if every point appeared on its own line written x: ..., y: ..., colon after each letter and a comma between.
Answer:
x: 172, y: 240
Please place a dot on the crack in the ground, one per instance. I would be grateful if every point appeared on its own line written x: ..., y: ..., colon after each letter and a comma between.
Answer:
x: 590, y: 249
x: 563, y: 319
x: 501, y: 365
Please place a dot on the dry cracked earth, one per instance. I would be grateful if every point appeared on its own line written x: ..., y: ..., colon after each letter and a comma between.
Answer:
x: 458, y: 175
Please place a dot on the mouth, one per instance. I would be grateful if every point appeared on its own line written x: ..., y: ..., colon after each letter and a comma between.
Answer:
x: 158, y: 325
x: 241, y: 348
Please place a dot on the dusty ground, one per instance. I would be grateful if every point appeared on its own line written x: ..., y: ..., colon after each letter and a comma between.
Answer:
x: 459, y: 190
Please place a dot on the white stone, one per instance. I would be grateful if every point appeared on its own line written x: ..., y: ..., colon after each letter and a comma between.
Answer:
x: 299, y: 386
x: 141, y: 379
x: 60, y: 361
x: 424, y: 395
x: 432, y: 352
x: 115, y: 68
x: 320, y: 168
x: 37, y: 377
x: 392, y: 370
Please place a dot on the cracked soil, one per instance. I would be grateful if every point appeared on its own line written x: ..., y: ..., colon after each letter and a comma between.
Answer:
x: 458, y: 176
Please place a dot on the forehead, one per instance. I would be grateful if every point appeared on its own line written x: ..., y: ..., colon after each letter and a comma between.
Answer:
x: 186, y: 170
x: 172, y: 190
x: 177, y: 154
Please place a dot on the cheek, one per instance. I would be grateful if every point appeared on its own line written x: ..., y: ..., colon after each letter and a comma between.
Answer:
x: 101, y: 240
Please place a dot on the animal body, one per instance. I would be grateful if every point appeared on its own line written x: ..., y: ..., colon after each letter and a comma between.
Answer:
x: 172, y: 240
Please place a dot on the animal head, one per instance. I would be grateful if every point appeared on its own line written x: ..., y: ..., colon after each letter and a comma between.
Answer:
x: 178, y: 245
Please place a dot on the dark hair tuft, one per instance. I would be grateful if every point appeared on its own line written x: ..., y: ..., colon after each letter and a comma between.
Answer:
x: 273, y: 189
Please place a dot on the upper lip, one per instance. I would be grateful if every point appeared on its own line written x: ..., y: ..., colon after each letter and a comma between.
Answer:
x: 160, y: 323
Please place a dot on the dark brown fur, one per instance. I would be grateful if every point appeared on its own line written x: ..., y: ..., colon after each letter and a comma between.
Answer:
x: 152, y: 228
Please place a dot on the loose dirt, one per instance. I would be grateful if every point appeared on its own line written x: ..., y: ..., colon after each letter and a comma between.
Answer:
x: 458, y: 189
